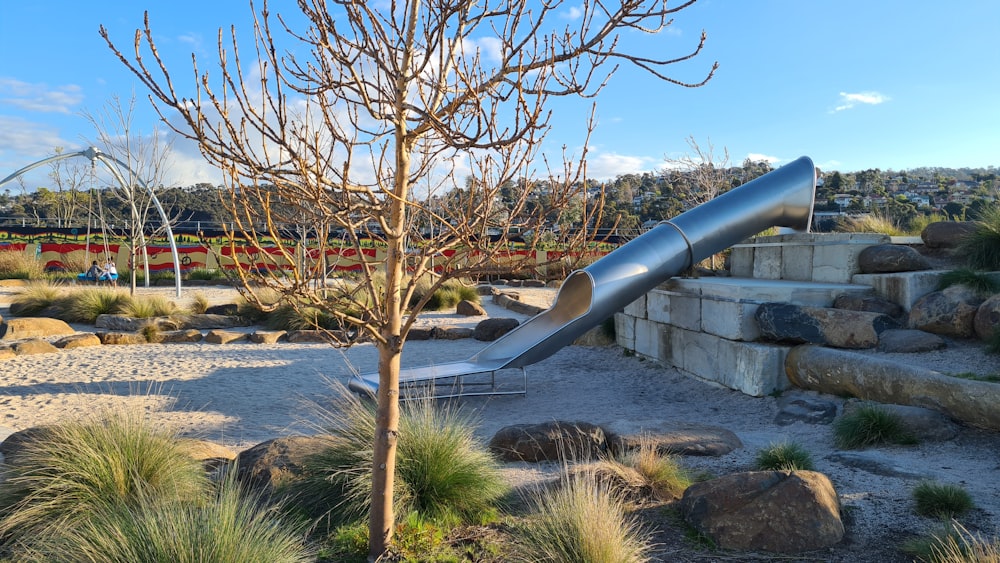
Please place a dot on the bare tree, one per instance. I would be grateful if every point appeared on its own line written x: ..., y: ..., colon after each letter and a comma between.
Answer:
x: 69, y: 195
x: 363, y: 126
x: 703, y: 175
x: 145, y: 159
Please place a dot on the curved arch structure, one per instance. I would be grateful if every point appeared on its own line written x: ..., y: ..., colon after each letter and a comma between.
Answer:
x: 93, y: 153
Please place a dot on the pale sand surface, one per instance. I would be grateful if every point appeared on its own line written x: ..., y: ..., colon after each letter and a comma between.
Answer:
x: 242, y: 394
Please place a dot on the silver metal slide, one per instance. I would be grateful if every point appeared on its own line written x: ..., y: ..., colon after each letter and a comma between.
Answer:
x: 781, y: 198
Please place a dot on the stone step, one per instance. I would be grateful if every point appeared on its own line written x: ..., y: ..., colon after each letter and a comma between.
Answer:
x: 813, y: 257
x: 725, y: 307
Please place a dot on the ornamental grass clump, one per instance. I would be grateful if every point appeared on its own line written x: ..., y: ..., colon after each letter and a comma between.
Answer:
x: 665, y: 477
x: 225, y: 527
x: 34, y: 299
x: 68, y: 471
x: 21, y: 266
x: 443, y: 472
x: 784, y: 456
x: 148, y: 306
x: 941, y: 500
x: 85, y: 305
x: 870, y: 424
x: 581, y: 520
x: 981, y: 283
x: 953, y: 544
x: 981, y: 248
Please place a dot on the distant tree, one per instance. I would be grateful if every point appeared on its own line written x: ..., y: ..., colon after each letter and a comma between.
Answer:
x: 369, y: 103
x: 706, y: 174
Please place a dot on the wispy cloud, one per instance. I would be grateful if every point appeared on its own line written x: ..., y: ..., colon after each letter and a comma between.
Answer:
x: 849, y: 100
x: 39, y: 96
x: 573, y: 13
x: 607, y: 165
x: 759, y: 157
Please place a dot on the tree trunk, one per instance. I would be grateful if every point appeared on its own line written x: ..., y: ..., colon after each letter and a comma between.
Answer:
x: 380, y: 519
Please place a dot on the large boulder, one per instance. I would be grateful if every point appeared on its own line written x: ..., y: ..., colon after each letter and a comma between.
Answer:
x: 489, y: 330
x: 468, y: 308
x: 775, y: 511
x: 79, y: 340
x: 986, y: 321
x: 909, y: 341
x: 849, y: 374
x: 32, y: 346
x: 33, y: 327
x: 889, y: 258
x: 549, y: 441
x: 840, y: 328
x: 949, y: 312
x: 275, y: 462
x: 947, y: 234
x: 669, y: 438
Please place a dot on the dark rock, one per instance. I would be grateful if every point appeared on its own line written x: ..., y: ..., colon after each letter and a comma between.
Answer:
x: 298, y: 336
x: 986, y: 321
x: 33, y: 327
x: 224, y: 337
x: 275, y: 462
x: 468, y: 308
x: 451, y: 332
x: 840, y: 328
x: 549, y: 441
x: 874, y: 462
x: 14, y: 444
x: 924, y: 425
x: 121, y: 338
x: 489, y: 330
x: 909, y: 341
x: 484, y: 289
x: 947, y: 234
x: 420, y: 334
x: 228, y: 309
x: 889, y: 258
x: 671, y: 438
x: 949, y: 312
x: 79, y: 340
x: 796, y: 407
x: 868, y: 305
x: 775, y: 511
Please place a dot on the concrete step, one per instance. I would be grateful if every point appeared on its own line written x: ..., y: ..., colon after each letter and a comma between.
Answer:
x: 725, y: 307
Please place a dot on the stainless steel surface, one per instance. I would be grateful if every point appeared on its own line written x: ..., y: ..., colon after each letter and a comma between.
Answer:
x: 782, y: 198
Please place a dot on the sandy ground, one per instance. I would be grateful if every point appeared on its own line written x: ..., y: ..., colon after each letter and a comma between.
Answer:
x: 242, y: 394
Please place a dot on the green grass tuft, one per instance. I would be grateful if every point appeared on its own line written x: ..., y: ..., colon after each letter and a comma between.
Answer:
x: 19, y: 265
x: 978, y: 282
x: 85, y: 305
x: 199, y: 303
x: 868, y: 425
x: 940, y: 500
x: 982, y: 248
x: 784, y: 456
x: 34, y: 299
x: 149, y: 306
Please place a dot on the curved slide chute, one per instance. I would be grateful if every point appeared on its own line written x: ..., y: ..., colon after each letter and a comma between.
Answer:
x: 781, y: 198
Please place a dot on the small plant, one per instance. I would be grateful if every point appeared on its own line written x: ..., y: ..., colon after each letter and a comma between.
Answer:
x: 151, y: 332
x: 978, y: 282
x: 870, y: 424
x: 149, y: 306
x: 73, y: 469
x: 870, y: 223
x: 199, y: 303
x: 982, y: 247
x: 204, y: 274
x: 34, y: 299
x: 86, y: 305
x: 581, y: 521
x: 941, y: 500
x: 662, y: 473
x: 784, y: 456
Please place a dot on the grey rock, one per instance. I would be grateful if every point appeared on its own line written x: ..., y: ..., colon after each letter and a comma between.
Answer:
x: 451, y: 332
x: 840, y: 328
x: 468, y: 308
x: 273, y: 463
x: 986, y: 321
x: 489, y: 330
x: 549, y: 441
x: 417, y: 333
x: 874, y: 462
x: 266, y: 336
x: 869, y: 305
x: 909, y: 341
x: 672, y: 438
x: 947, y: 234
x: 796, y: 407
x: 889, y: 258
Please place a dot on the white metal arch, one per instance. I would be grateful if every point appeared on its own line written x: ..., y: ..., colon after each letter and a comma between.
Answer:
x: 93, y: 153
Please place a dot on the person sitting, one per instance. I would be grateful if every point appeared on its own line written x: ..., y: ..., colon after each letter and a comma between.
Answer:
x: 94, y: 272
x: 110, y: 273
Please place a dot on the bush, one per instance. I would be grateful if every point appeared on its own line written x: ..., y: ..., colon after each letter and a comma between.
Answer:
x: 18, y: 265
x: 442, y: 471
x: 34, y: 299
x: 205, y: 274
x: 941, y: 500
x: 148, y: 306
x: 982, y: 247
x: 199, y: 303
x: 784, y: 457
x: 85, y: 305
x: 868, y: 425
x: 73, y: 469
x: 581, y: 521
x: 225, y: 529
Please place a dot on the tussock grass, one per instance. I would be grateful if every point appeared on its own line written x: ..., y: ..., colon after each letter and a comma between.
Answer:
x: 954, y: 544
x: 71, y: 470
x: 148, y: 306
x: 870, y: 223
x: 581, y: 520
x: 978, y: 282
x: 205, y: 274
x: 941, y: 500
x: 664, y: 475
x: 34, y: 299
x: 784, y: 456
x: 18, y: 265
x: 982, y: 247
x: 85, y: 305
x: 199, y: 303
x: 442, y: 471
x: 224, y: 528
x: 870, y: 424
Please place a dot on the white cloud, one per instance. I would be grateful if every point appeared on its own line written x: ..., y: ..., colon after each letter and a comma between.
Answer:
x: 608, y: 165
x: 39, y: 97
x: 758, y: 157
x: 849, y: 100
x: 574, y: 13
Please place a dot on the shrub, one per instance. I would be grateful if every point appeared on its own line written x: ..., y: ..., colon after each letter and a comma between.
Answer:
x: 148, y: 306
x: 73, y: 469
x: 784, y: 456
x: 205, y: 274
x: 979, y: 282
x: 982, y: 247
x: 301, y: 317
x: 662, y: 473
x: 941, y: 500
x: 18, y: 265
x: 449, y: 294
x: 870, y: 424
x: 869, y: 223
x: 225, y: 529
x: 442, y: 471
x: 199, y: 303
x: 34, y: 299
x: 581, y: 521
x: 85, y: 305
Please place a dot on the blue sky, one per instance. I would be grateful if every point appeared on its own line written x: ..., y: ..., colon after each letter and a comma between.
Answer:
x: 854, y: 84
